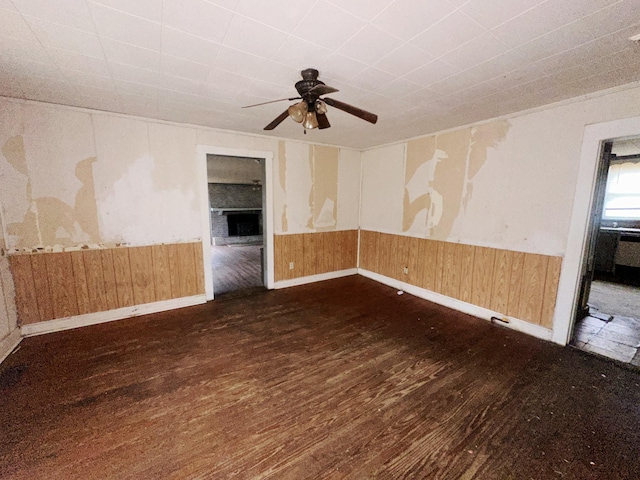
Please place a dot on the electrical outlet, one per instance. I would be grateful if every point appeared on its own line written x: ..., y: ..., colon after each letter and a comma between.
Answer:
x: 406, y: 270
x: 290, y: 265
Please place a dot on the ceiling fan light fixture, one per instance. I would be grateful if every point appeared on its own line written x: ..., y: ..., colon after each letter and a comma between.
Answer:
x: 321, y: 107
x: 310, y: 121
x: 298, y: 111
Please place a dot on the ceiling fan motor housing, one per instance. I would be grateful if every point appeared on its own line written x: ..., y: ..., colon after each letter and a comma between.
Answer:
x: 309, y: 80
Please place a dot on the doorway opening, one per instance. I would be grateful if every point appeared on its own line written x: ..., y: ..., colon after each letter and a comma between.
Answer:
x: 608, y: 310
x: 236, y: 211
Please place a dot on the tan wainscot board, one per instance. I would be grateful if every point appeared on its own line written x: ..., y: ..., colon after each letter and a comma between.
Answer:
x: 517, y: 284
x: 314, y: 253
x: 63, y: 284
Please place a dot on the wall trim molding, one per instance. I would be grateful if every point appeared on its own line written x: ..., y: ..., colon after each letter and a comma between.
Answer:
x: 315, y: 278
x: 464, y: 307
x: 573, y: 263
x: 8, y: 343
x: 87, y: 319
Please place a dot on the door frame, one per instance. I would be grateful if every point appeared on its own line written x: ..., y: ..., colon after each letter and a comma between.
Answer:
x: 267, y: 205
x: 577, y: 240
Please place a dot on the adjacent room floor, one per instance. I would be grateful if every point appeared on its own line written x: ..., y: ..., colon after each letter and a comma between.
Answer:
x: 236, y: 268
x: 337, y: 379
x: 613, y: 327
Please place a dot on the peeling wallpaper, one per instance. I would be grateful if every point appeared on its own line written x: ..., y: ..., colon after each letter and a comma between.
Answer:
x: 505, y: 184
x: 317, y: 188
x: 75, y: 179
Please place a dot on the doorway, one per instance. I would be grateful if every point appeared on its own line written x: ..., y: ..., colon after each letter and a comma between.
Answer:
x: 608, y: 309
x: 236, y: 205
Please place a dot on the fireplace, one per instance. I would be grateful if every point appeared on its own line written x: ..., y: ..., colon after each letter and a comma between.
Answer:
x: 243, y: 224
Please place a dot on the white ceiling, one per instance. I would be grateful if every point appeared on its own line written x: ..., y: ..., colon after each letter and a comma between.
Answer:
x: 421, y: 65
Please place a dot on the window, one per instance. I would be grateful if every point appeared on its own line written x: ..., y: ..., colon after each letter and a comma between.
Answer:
x: 622, y: 198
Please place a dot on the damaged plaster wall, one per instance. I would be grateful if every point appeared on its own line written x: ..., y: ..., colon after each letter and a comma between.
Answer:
x: 317, y: 188
x: 74, y: 178
x: 505, y: 184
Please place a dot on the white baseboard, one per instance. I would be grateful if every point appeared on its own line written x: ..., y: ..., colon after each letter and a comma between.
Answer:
x: 459, y: 305
x: 315, y: 278
x: 8, y: 343
x: 109, y: 316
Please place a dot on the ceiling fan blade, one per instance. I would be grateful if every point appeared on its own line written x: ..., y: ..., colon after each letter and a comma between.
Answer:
x: 278, y: 120
x: 358, y: 112
x: 323, y: 121
x: 323, y: 90
x: 271, y: 101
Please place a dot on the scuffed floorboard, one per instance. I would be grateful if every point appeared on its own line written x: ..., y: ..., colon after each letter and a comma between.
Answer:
x: 338, y: 379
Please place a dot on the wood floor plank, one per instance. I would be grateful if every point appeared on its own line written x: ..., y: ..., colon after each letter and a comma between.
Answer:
x: 337, y: 379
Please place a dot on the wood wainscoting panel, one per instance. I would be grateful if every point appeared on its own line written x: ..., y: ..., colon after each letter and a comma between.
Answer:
x: 348, y: 250
x: 369, y: 250
x: 532, y: 290
x: 428, y: 254
x: 62, y: 285
x: 467, y: 257
x: 95, y: 279
x: 26, y: 298
x: 314, y: 253
x: 517, y: 284
x: 65, y: 284
x: 439, y: 265
x: 161, y: 272
x: 80, y: 280
x: 413, y: 261
x: 451, y: 266
x: 41, y: 281
x: 187, y: 262
x: 501, y: 280
x: 278, y: 249
x: 142, y: 274
x: 124, y: 282
x: 550, y: 291
x: 110, y: 283
x: 483, y: 263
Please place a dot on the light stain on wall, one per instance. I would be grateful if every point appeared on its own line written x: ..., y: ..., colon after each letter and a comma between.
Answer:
x: 449, y: 180
x: 438, y: 176
x: 282, y: 178
x: 325, y: 186
x: 49, y: 220
x: 483, y: 137
x: 415, y: 199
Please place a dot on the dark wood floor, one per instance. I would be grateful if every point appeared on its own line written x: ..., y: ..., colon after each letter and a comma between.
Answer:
x: 236, y: 269
x: 339, y: 379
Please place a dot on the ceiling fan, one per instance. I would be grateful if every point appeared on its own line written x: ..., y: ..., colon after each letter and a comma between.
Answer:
x: 311, y: 111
